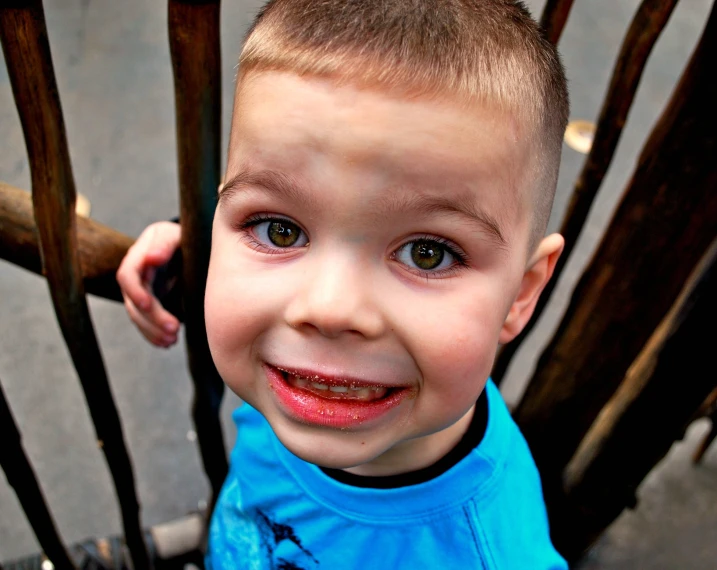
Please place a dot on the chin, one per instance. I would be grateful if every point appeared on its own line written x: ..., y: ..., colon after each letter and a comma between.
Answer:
x: 334, y: 450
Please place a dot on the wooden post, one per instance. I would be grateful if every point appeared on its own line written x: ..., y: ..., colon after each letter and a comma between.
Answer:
x: 707, y: 441
x: 708, y: 410
x: 647, y: 25
x: 195, y: 50
x: 21, y: 478
x: 646, y: 415
x: 661, y: 229
x: 100, y: 248
x: 27, y: 55
x: 554, y: 17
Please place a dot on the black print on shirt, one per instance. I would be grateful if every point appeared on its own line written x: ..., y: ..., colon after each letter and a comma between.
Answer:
x: 272, y: 534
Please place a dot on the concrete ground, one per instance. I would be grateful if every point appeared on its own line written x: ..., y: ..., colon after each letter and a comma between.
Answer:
x: 112, y: 65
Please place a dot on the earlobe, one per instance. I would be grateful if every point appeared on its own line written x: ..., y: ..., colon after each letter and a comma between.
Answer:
x: 538, y: 273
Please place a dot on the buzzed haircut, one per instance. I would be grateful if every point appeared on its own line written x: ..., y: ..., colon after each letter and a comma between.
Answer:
x: 483, y: 51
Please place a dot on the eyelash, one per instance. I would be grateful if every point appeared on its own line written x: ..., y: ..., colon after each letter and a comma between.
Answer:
x: 248, y: 237
x: 461, y: 257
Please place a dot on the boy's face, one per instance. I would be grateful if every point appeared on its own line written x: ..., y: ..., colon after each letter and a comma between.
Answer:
x: 367, y: 250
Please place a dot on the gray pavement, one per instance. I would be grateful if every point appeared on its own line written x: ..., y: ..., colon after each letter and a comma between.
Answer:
x: 114, y: 75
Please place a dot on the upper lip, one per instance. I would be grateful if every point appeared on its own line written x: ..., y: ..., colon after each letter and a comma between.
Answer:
x: 332, y: 379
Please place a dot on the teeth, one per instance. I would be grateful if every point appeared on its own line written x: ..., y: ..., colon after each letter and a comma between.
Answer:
x: 366, y: 393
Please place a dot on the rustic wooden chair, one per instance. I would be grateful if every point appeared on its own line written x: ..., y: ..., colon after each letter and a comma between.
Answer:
x: 80, y: 256
x: 602, y: 407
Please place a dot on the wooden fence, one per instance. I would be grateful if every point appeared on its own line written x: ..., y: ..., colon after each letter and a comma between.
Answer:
x: 601, y: 408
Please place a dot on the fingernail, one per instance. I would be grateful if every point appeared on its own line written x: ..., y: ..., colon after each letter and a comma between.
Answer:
x: 168, y: 339
x: 170, y: 327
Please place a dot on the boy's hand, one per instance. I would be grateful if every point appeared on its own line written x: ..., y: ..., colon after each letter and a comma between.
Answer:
x: 153, y: 248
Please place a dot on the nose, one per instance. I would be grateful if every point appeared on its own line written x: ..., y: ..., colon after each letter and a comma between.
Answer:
x: 335, y: 296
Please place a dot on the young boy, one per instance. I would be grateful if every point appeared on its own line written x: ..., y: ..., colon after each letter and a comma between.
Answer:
x: 390, y: 175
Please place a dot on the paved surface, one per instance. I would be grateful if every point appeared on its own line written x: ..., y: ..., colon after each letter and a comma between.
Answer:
x: 112, y: 63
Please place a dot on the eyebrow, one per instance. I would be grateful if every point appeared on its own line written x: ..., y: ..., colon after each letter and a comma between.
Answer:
x: 284, y: 186
x: 269, y: 180
x: 462, y: 205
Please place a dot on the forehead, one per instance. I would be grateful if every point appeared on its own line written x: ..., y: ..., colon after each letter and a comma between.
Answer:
x: 310, y: 127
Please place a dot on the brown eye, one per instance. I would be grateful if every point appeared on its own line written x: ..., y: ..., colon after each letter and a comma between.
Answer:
x: 427, y: 254
x: 283, y: 233
x: 430, y: 257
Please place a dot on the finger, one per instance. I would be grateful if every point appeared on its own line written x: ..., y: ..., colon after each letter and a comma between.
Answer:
x: 165, y: 240
x: 149, y: 330
x: 162, y: 319
x: 130, y: 271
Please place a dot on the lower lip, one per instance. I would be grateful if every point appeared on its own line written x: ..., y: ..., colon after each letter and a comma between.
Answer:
x: 309, y: 408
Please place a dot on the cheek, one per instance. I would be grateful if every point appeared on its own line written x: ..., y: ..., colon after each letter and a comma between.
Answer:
x: 455, y: 349
x: 457, y: 362
x: 238, y: 309
x: 457, y: 331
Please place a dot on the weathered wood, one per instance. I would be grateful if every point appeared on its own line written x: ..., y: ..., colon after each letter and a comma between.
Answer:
x: 708, y: 410
x: 707, y: 441
x: 647, y: 25
x: 27, y: 55
x: 195, y: 50
x: 21, y: 477
x: 708, y: 406
x: 100, y: 248
x: 645, y: 416
x: 665, y: 222
x: 554, y: 17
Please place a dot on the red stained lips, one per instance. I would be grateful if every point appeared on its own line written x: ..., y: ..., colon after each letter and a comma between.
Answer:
x: 331, y: 402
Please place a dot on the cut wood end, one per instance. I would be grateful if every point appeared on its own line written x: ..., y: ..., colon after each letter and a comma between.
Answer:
x: 579, y: 135
x: 83, y: 206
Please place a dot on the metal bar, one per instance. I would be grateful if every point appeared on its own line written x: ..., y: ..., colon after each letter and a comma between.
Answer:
x: 196, y: 63
x: 21, y: 478
x: 27, y: 55
x: 647, y: 25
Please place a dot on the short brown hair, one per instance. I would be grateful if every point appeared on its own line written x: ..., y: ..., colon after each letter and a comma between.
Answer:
x: 480, y: 50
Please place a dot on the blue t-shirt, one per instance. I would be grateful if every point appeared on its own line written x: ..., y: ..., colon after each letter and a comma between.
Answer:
x: 279, y: 512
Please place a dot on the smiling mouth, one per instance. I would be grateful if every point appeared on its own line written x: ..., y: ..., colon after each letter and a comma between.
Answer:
x: 333, y: 389
x: 333, y: 401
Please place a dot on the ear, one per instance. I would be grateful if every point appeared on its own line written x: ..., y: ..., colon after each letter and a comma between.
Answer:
x: 540, y: 269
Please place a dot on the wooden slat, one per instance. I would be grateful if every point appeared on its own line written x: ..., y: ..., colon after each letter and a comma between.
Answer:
x: 100, y: 248
x: 662, y: 227
x: 650, y: 410
x: 707, y: 440
x: 647, y: 25
x: 195, y: 50
x: 554, y: 17
x: 27, y: 55
x: 21, y: 477
x: 708, y: 410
